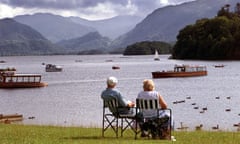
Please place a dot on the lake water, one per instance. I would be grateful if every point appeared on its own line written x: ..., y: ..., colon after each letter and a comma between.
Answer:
x: 72, y: 97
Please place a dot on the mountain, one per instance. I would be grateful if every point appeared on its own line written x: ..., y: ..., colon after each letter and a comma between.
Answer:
x: 20, y: 39
x: 90, y: 43
x: 54, y: 27
x: 163, y: 24
x: 112, y: 27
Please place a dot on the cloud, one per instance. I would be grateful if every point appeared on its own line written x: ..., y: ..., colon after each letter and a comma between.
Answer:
x: 57, y: 4
x: 91, y: 9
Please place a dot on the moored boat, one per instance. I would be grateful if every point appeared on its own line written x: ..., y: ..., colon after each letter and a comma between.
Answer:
x: 53, y: 68
x: 219, y: 66
x: 10, y: 118
x: 115, y: 67
x: 7, y: 69
x: 181, y: 71
x: 20, y: 80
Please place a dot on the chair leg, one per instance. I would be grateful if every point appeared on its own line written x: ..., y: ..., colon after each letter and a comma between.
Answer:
x: 170, y: 123
x: 128, y: 124
x: 111, y: 122
x: 116, y: 127
x: 136, y: 130
x: 121, y: 127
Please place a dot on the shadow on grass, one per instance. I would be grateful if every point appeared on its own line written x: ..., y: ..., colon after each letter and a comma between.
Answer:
x: 109, y: 140
x: 91, y: 138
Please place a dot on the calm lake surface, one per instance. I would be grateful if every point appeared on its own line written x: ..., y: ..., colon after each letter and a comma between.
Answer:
x: 72, y: 97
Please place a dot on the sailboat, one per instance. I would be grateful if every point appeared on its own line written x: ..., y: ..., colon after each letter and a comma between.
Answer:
x: 156, y: 57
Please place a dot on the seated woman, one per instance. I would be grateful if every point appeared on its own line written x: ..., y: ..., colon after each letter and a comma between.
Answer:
x: 158, y: 126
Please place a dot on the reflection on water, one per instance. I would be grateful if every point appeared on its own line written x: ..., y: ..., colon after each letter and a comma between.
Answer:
x: 73, y: 95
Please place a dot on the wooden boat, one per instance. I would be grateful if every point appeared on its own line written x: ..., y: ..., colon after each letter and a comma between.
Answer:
x: 53, y: 68
x: 10, y: 118
x: 156, y: 57
x: 115, y: 67
x: 12, y: 80
x: 8, y: 70
x: 219, y: 66
x: 181, y: 71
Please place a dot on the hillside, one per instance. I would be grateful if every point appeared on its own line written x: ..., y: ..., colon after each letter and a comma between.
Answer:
x: 91, y: 43
x: 113, y: 27
x: 54, y: 27
x: 20, y: 39
x: 211, y: 39
x: 57, y: 28
x: 164, y: 24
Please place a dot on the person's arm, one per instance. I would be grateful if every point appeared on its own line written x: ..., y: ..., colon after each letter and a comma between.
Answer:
x: 162, y: 102
x: 123, y: 102
x: 131, y: 104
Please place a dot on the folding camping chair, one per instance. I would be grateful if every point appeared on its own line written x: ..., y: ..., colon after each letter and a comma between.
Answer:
x: 111, y: 120
x: 152, y: 104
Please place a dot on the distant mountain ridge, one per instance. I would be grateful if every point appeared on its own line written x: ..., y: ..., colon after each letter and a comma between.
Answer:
x: 112, y: 27
x: 163, y: 24
x: 76, y: 35
x: 20, y: 39
x: 87, y: 44
x: 57, y: 28
x: 54, y: 27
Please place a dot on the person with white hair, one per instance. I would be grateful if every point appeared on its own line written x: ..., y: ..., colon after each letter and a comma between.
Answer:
x: 111, y: 92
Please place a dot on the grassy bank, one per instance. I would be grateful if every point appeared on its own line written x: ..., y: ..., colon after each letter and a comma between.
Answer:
x: 20, y: 134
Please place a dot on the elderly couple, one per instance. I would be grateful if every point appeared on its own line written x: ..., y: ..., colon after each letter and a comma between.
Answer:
x: 147, y: 93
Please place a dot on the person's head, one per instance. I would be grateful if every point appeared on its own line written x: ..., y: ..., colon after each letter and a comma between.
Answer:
x: 111, y: 81
x: 148, y: 85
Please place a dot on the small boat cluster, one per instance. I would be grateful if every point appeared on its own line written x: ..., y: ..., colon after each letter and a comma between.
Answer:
x: 10, y: 79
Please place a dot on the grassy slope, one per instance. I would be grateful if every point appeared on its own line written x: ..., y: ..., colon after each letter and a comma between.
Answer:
x: 20, y: 134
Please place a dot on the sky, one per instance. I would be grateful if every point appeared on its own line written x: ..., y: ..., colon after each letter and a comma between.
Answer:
x: 88, y: 9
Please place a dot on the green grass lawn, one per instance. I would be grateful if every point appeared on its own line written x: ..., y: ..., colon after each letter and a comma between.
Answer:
x: 26, y: 134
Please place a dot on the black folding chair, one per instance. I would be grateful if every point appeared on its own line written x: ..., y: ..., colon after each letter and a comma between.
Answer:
x: 111, y: 120
x: 151, y: 104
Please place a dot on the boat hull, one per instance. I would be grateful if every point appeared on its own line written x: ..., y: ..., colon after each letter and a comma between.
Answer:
x: 23, y: 85
x: 10, y: 118
x: 115, y: 67
x: 54, y: 70
x: 159, y: 74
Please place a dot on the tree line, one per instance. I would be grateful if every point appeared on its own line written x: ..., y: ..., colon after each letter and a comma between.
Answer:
x: 148, y: 48
x: 211, y: 39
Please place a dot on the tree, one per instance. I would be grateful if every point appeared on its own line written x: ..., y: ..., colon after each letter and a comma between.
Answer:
x: 148, y: 48
x: 216, y: 38
x: 237, y: 9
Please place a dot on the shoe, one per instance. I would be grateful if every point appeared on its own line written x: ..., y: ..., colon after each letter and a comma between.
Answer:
x: 173, y: 138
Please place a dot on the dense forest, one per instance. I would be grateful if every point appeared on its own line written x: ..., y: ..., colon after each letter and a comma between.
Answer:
x: 148, y: 48
x: 211, y: 39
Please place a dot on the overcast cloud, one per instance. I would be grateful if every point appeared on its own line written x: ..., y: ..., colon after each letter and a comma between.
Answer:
x: 90, y: 9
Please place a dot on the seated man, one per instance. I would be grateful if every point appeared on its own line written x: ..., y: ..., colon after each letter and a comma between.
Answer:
x: 111, y: 92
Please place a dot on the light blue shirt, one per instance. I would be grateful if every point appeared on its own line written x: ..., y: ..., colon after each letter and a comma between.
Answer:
x: 110, y: 93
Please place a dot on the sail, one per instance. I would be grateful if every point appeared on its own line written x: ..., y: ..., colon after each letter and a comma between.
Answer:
x: 156, y: 57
